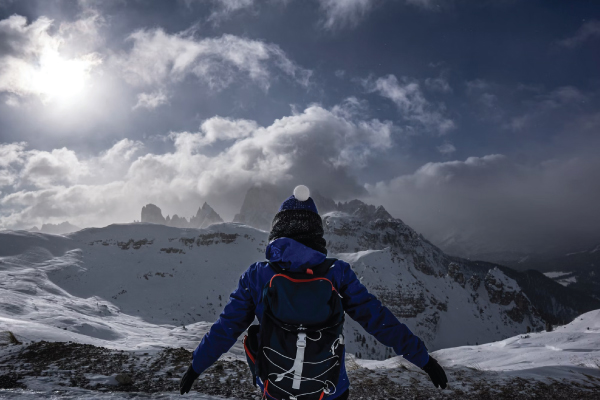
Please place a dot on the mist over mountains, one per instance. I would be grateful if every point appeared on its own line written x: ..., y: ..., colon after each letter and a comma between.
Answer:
x: 354, y: 227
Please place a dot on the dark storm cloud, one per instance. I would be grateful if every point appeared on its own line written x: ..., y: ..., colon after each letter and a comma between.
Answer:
x: 493, y: 203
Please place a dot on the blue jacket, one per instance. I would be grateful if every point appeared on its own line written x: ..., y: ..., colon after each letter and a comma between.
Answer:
x: 246, y: 302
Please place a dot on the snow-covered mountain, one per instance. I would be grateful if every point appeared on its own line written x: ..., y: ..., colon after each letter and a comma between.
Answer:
x: 119, y: 294
x: 262, y: 202
x: 205, y: 217
x: 180, y: 276
x: 437, y: 296
x: 146, y: 286
x: 173, y: 276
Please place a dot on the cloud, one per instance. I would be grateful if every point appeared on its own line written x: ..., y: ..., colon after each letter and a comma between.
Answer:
x: 544, y: 103
x: 349, y: 13
x: 439, y: 84
x: 320, y: 147
x: 589, y: 30
x: 152, y: 100
x: 32, y: 60
x: 158, y: 58
x: 342, y: 13
x: 446, y: 148
x: 225, y: 8
x: 411, y: 103
x: 11, y: 158
x: 495, y: 203
x: 47, y: 169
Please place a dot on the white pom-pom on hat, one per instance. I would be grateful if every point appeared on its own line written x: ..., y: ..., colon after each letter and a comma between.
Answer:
x: 301, y: 193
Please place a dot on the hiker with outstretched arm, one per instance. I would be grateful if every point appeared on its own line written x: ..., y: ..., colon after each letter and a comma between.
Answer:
x: 301, y: 297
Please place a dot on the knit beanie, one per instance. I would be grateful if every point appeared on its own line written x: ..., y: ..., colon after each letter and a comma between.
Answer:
x: 299, y: 219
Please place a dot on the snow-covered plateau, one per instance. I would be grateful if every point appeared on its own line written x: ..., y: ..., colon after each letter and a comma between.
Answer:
x: 113, y: 313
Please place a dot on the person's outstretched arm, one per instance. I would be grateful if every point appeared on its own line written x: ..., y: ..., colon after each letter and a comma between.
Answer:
x: 236, y: 317
x: 367, y: 310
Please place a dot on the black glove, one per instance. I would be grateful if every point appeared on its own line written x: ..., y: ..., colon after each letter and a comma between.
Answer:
x: 188, y: 380
x: 436, y: 373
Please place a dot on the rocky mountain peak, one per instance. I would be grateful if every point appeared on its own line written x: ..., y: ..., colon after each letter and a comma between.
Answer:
x: 57, y: 229
x: 205, y: 216
x: 260, y: 206
x: 151, y: 213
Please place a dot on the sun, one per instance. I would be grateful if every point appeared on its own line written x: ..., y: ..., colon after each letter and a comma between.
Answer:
x: 59, y: 78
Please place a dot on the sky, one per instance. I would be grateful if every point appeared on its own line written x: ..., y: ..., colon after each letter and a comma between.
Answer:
x: 471, y: 121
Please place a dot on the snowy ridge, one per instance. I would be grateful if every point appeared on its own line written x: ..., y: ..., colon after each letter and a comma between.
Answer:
x: 435, y: 295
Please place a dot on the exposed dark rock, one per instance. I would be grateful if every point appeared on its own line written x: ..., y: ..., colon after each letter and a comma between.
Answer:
x: 454, y: 272
x: 160, y: 373
x: 205, y: 217
x: 260, y: 205
x: 123, y: 379
x: 59, y: 229
x: 152, y: 214
x: 7, y: 337
x: 474, y: 282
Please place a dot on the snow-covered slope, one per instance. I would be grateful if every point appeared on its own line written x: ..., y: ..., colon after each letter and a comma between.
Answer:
x: 571, y: 347
x: 142, y: 288
x: 97, y: 281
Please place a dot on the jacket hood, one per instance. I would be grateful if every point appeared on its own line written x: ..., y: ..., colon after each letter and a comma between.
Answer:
x: 293, y: 255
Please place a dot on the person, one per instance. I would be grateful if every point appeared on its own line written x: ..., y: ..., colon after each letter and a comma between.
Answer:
x: 297, y: 245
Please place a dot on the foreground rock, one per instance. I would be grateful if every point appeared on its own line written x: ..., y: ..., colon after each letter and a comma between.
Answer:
x: 65, y: 365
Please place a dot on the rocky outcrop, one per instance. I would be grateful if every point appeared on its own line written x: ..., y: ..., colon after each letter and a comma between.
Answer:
x: 261, y: 203
x: 205, y: 217
x: 454, y: 272
x: 260, y: 206
x: 57, y: 229
x: 506, y: 292
x: 152, y: 214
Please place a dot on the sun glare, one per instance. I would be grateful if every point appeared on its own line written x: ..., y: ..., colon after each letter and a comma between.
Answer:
x: 62, y: 79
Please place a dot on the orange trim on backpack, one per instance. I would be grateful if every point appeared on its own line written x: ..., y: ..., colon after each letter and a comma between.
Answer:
x: 309, y: 271
x: 322, y: 394
x: 247, y: 350
x: 302, y: 280
x: 266, y: 392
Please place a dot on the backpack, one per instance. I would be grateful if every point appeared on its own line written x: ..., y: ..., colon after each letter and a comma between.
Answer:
x: 298, y: 349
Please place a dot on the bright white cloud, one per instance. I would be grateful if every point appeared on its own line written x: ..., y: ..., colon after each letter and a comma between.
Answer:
x: 411, y: 102
x: 46, y: 169
x: 32, y: 61
x: 158, y: 58
x: 318, y: 146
